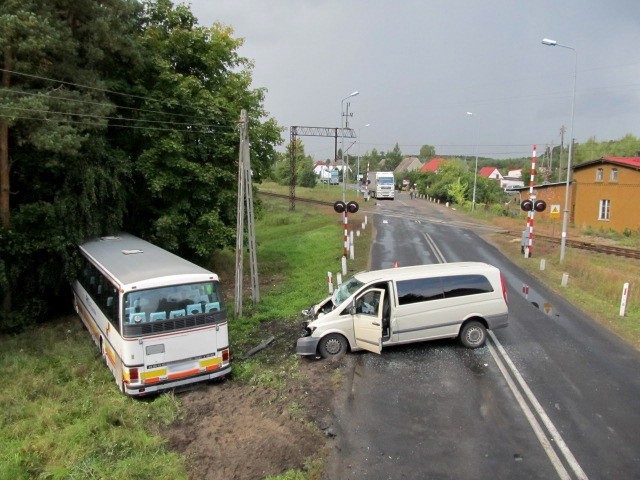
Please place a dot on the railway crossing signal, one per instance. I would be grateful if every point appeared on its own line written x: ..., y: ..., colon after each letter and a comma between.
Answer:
x: 538, y: 205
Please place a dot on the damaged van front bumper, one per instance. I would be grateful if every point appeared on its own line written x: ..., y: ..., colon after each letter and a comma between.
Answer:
x: 307, y: 346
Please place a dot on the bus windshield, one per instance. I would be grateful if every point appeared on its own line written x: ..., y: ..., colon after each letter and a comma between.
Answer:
x: 166, y: 303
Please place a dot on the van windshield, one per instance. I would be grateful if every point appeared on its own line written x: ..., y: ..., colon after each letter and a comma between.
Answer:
x: 345, y: 290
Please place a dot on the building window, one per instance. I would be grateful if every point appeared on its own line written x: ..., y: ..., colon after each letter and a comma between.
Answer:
x: 614, y: 174
x: 599, y: 175
x: 605, y: 208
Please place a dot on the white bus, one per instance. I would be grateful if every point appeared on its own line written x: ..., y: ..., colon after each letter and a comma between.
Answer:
x: 158, y: 319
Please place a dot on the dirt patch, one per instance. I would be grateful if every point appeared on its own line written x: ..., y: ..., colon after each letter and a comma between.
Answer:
x: 237, y: 431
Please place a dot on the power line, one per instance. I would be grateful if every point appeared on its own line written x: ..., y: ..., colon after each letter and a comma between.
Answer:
x: 110, y: 125
x: 104, y: 117
x: 101, y: 90
x: 88, y: 102
x: 104, y: 90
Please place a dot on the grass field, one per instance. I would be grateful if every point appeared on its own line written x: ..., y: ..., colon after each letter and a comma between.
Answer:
x: 595, y: 280
x: 62, y: 414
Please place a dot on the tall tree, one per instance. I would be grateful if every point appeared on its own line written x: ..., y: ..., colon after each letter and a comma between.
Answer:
x: 136, y: 131
x: 304, y: 167
x: 186, y: 174
x: 60, y: 178
x: 393, y: 158
x: 427, y: 152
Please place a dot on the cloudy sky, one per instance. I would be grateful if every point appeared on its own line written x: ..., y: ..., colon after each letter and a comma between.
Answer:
x: 419, y: 66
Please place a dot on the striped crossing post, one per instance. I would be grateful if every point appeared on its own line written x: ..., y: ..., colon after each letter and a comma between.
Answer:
x: 346, y: 234
x: 529, y: 249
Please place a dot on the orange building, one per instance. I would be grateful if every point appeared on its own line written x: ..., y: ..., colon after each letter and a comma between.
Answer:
x: 553, y: 195
x: 608, y: 193
x: 604, y: 194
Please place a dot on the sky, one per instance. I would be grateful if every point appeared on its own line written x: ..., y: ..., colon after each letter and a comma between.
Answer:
x: 420, y: 66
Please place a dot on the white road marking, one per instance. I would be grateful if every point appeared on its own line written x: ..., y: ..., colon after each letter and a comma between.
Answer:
x: 436, y: 251
x: 564, y: 449
x: 537, y: 429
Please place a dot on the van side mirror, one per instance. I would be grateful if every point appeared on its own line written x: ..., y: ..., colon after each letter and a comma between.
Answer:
x: 352, y: 308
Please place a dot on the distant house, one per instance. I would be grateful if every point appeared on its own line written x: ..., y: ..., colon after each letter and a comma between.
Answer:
x: 516, y: 173
x: 604, y: 194
x: 433, y: 165
x: 490, y: 172
x: 408, y: 164
x: 322, y: 170
x: 382, y: 165
x: 511, y: 183
x: 607, y: 191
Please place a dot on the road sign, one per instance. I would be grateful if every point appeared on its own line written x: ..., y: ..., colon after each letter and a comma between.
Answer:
x: 555, y: 211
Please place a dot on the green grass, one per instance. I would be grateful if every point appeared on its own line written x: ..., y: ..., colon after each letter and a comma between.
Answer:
x: 295, y: 252
x: 595, y: 282
x: 324, y: 192
x: 62, y: 416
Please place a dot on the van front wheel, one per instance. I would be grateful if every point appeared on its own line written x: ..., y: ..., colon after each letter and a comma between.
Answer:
x: 473, y: 334
x: 333, y: 346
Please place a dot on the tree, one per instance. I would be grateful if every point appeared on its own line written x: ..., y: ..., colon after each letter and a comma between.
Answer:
x: 64, y: 175
x: 126, y: 118
x: 304, y: 167
x: 457, y: 191
x: 427, y: 152
x: 393, y: 158
x: 187, y: 198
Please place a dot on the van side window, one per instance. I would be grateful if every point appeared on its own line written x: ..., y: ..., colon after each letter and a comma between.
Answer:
x: 462, y: 285
x: 419, y: 290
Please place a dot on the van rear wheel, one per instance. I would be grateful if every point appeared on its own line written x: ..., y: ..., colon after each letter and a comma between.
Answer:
x: 333, y: 346
x: 473, y: 334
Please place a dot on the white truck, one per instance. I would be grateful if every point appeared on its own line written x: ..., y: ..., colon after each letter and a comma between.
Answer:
x: 381, y: 185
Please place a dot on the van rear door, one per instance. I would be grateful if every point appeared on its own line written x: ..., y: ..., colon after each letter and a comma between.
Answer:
x: 367, y: 320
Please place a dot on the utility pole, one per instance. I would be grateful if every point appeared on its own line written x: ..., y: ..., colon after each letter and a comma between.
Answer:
x: 563, y: 130
x: 245, y: 196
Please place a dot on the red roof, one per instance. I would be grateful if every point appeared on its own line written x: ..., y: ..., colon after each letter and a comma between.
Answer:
x: 486, y: 171
x: 633, y: 162
x: 432, y: 165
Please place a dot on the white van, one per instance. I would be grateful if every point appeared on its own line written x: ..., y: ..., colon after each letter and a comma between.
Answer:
x: 403, y: 305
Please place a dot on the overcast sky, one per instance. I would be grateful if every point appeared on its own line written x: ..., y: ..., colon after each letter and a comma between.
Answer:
x: 419, y: 66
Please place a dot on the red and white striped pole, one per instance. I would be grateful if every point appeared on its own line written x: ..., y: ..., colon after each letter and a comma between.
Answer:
x: 529, y: 249
x: 346, y: 234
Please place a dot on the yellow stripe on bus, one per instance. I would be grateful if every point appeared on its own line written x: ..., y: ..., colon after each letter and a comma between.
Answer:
x: 209, y: 362
x: 153, y: 373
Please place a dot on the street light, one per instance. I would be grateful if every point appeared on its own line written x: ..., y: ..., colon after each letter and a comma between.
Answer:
x: 565, y: 217
x: 344, y: 170
x: 475, y: 171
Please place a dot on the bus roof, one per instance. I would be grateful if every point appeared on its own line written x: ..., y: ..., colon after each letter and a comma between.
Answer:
x: 130, y: 260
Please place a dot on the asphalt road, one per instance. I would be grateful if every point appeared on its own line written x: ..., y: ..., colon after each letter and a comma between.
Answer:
x: 553, y: 395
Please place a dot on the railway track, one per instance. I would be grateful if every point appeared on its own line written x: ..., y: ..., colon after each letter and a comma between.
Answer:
x: 297, y: 199
x: 592, y: 247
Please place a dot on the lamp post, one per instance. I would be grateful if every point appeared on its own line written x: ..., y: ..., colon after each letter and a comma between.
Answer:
x: 475, y: 171
x: 565, y: 216
x: 344, y: 170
